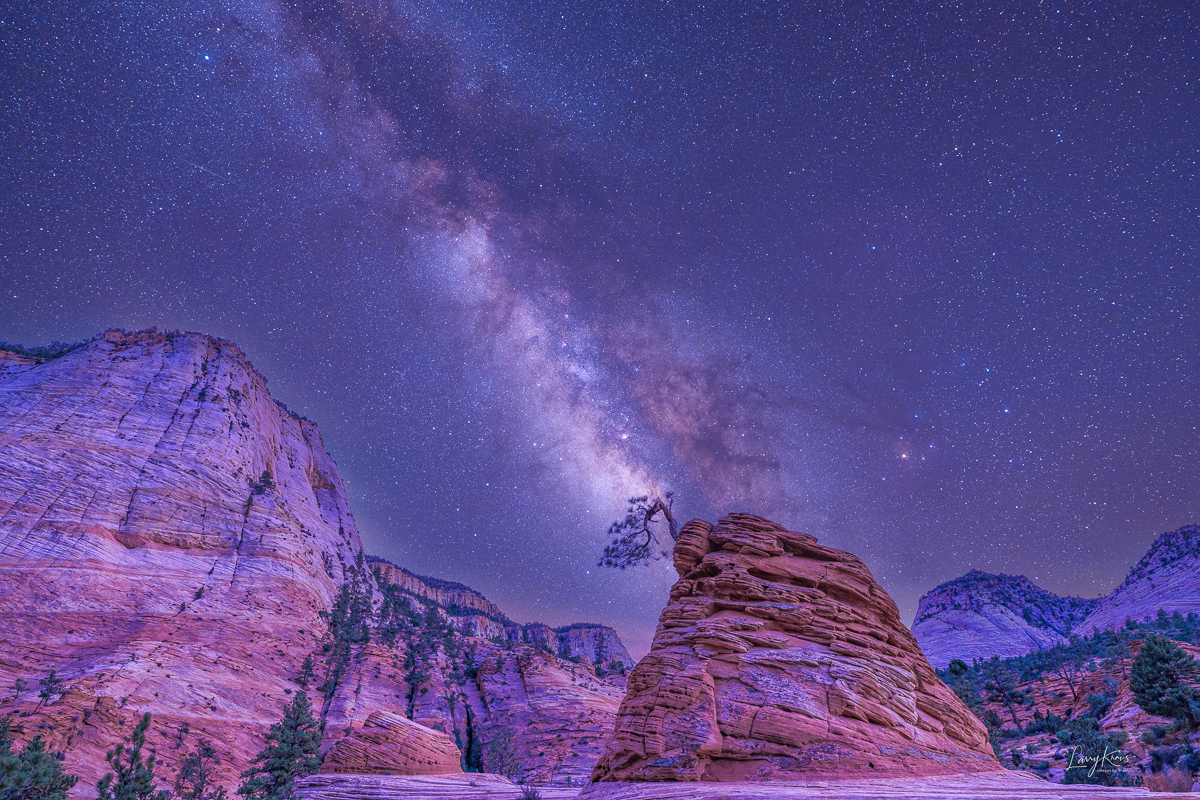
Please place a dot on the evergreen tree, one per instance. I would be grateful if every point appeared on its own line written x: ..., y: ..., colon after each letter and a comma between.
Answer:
x: 291, y: 753
x: 195, y: 779
x: 51, y: 685
x: 32, y: 774
x: 131, y: 779
x: 636, y: 540
x: 1157, y: 680
x: 1000, y: 686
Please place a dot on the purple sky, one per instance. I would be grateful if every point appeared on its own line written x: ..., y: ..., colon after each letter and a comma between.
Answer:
x: 918, y: 278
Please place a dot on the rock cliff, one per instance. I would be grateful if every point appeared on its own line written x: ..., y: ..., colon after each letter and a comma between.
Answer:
x: 389, y: 744
x: 172, y: 540
x: 169, y: 537
x: 981, y: 615
x: 779, y: 658
x: 477, y: 616
x: 1167, y: 578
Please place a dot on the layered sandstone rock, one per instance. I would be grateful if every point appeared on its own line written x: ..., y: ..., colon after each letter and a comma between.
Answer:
x: 778, y: 658
x: 168, y: 538
x: 1003, y: 785
x: 389, y: 744
x: 476, y: 616
x: 1166, y: 578
x: 172, y: 540
x: 981, y: 615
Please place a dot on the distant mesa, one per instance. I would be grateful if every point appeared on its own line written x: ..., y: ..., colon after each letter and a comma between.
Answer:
x: 981, y: 615
x: 777, y: 658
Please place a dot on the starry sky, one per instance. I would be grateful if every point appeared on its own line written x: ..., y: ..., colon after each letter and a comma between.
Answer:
x: 919, y: 278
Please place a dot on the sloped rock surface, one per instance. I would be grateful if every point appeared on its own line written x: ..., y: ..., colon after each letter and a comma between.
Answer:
x: 172, y: 540
x: 168, y: 538
x: 778, y: 658
x: 981, y: 615
x: 389, y: 744
x: 1167, y: 578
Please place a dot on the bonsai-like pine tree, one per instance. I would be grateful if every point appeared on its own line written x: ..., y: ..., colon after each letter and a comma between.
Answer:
x: 291, y: 753
x: 195, y: 779
x: 1157, y: 680
x: 32, y: 774
x: 131, y: 778
x: 635, y: 540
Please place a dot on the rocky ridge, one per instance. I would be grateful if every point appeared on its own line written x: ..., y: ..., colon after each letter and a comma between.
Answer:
x: 172, y: 540
x: 1167, y: 578
x: 778, y: 658
x: 475, y: 615
x: 981, y: 615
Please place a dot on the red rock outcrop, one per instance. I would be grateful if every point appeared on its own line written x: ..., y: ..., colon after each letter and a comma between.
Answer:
x: 389, y: 744
x: 168, y: 538
x: 779, y: 658
x: 172, y: 540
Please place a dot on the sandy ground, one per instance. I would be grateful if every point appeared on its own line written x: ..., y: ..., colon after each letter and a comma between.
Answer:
x: 1008, y: 785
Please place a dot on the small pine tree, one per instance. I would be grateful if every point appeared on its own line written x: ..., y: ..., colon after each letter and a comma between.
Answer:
x: 19, y: 685
x: 32, y: 774
x: 291, y: 753
x: 307, y: 671
x: 1157, y: 680
x: 131, y: 779
x: 51, y: 686
x: 500, y: 756
x: 195, y: 779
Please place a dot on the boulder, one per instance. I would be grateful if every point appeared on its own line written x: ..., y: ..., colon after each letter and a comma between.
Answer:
x: 389, y: 744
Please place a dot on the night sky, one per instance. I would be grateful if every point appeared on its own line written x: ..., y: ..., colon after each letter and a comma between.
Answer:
x: 921, y: 279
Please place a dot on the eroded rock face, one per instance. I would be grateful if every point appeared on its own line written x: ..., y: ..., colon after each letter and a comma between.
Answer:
x: 778, y: 658
x: 1167, y: 578
x: 168, y: 537
x: 981, y: 615
x: 174, y: 541
x: 389, y: 744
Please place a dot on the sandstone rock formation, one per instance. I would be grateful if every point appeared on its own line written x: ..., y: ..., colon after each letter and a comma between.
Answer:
x: 981, y: 615
x: 1166, y: 578
x: 389, y: 744
x: 779, y: 658
x: 173, y: 540
x: 475, y: 615
x: 168, y: 538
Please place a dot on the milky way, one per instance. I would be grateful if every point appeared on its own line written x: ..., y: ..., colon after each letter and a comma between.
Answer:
x: 919, y: 279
